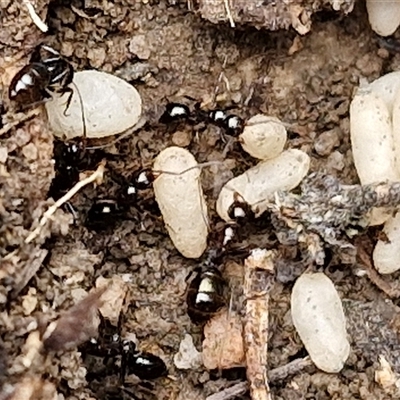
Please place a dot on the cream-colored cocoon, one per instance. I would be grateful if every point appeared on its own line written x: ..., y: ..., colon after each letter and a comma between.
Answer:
x: 110, y: 104
x: 263, y: 137
x: 318, y: 317
x: 386, y: 87
x: 258, y: 184
x: 372, y: 143
x: 386, y: 254
x: 384, y: 16
x: 181, y: 201
x: 396, y: 129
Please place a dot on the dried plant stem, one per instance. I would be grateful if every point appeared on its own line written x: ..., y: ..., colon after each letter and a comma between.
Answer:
x: 274, y: 375
x: 35, y: 17
x: 258, y: 282
x: 96, y: 176
x: 229, y: 14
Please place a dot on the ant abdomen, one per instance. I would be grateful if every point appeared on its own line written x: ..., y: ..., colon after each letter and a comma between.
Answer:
x: 206, y: 295
x: 28, y: 85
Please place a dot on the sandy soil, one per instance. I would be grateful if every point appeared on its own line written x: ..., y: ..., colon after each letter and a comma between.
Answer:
x: 168, y: 53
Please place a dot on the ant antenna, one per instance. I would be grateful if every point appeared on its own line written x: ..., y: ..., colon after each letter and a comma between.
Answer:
x: 82, y: 113
x: 200, y: 166
x: 129, y: 132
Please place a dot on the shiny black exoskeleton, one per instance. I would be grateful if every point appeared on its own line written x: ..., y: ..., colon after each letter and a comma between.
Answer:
x: 140, y: 180
x: 47, y: 72
x: 232, y: 124
x: 109, y: 354
x: 175, y: 112
x: 68, y: 158
x: 103, y: 214
x: 143, y: 365
x: 206, y: 294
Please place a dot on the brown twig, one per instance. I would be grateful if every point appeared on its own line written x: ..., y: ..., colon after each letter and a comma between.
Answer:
x: 258, y: 282
x: 96, y: 176
x: 274, y: 375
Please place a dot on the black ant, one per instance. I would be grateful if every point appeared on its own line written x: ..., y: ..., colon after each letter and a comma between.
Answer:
x: 232, y: 124
x: 104, y: 213
x: 47, y: 72
x: 144, y: 178
x: 142, y: 364
x: 110, y: 354
x: 67, y: 159
x: 206, y: 293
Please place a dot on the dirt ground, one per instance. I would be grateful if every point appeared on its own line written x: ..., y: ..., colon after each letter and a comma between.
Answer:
x: 168, y: 52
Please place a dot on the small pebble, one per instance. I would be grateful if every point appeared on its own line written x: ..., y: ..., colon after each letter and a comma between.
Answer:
x: 335, y: 161
x: 384, y: 375
x: 29, y: 301
x: 3, y: 155
x: 326, y: 142
x: 30, y: 151
x: 113, y: 298
x: 318, y: 317
x: 188, y: 357
x: 139, y: 47
x: 181, y: 138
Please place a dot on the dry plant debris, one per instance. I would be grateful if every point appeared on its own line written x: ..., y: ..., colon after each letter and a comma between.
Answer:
x: 328, y: 213
x: 273, y: 16
x: 258, y: 281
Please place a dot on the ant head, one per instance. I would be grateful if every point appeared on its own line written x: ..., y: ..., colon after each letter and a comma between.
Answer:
x: 128, y: 347
x: 240, y: 211
x: 144, y: 178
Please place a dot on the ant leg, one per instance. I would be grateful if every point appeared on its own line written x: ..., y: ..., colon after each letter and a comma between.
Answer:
x: 70, y: 92
x: 82, y: 112
x: 127, y: 350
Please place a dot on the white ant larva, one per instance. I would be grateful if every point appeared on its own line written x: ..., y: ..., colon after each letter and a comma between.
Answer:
x: 181, y: 200
x: 258, y: 184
